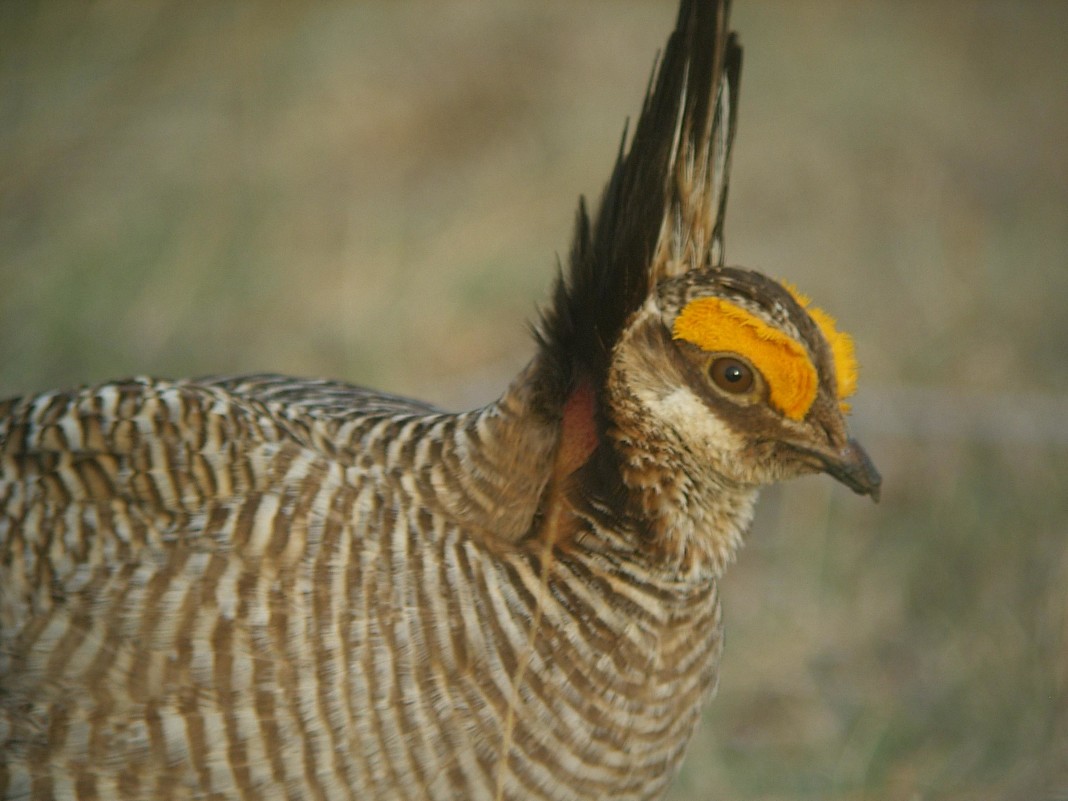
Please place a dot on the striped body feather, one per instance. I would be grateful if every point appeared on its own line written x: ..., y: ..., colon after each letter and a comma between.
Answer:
x: 261, y: 589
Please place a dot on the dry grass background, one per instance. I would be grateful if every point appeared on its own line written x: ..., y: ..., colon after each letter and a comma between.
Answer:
x: 376, y: 191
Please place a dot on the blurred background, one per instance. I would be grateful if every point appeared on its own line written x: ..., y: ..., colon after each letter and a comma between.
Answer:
x: 377, y: 191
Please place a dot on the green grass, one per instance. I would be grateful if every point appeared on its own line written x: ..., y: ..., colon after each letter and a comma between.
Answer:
x: 377, y: 191
x: 919, y: 649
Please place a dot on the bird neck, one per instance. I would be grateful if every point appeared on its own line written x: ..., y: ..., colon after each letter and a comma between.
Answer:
x: 611, y: 483
x: 691, y: 512
x: 694, y: 520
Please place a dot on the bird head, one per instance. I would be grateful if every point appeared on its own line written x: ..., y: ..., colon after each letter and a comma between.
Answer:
x: 741, y: 377
x: 683, y: 385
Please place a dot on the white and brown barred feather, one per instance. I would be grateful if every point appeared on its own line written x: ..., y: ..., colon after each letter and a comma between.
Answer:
x: 266, y: 588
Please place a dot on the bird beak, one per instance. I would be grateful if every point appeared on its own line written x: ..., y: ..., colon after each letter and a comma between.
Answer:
x: 853, y: 467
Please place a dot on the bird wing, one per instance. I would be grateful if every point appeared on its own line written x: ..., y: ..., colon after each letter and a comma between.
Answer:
x: 101, y: 478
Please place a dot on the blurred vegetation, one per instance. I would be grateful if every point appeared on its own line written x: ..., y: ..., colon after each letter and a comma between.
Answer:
x: 376, y: 191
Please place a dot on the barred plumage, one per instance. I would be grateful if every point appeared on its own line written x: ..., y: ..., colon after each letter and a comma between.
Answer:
x: 189, y: 565
x: 267, y: 588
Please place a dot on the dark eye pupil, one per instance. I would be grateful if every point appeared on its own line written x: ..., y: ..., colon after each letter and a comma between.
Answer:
x: 732, y: 375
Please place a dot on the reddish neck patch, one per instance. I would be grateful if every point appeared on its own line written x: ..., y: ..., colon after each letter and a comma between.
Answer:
x: 578, y: 431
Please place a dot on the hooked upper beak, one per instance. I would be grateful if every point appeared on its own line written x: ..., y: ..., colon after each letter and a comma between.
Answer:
x: 853, y: 467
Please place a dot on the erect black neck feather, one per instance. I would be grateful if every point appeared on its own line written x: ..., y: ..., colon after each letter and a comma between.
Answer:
x: 610, y: 271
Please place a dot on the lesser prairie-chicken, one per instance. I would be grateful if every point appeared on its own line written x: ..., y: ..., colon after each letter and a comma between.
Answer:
x: 271, y: 588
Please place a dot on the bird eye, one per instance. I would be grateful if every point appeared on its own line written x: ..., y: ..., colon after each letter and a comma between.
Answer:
x: 732, y: 375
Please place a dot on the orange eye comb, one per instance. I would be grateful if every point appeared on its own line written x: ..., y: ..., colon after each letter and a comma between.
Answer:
x: 845, y: 357
x: 715, y: 325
